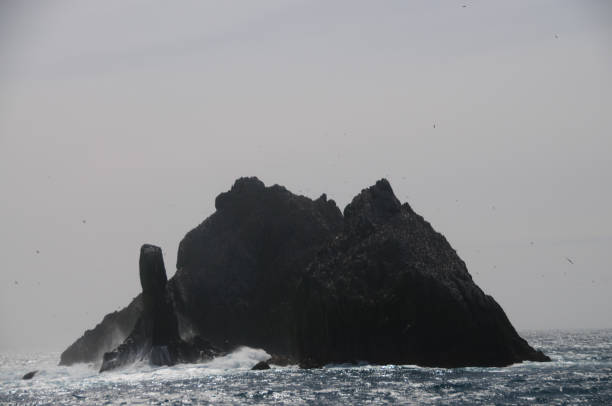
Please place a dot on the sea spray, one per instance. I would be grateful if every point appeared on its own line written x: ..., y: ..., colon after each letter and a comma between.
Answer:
x: 241, y: 358
x: 581, y: 365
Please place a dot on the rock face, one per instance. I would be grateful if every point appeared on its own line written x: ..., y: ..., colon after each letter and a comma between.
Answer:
x: 295, y: 277
x: 157, y: 308
x: 107, y: 335
x: 390, y: 289
x: 155, y: 336
x: 237, y: 272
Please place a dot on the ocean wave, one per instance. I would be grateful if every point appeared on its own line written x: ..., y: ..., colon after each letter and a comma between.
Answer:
x: 580, y: 373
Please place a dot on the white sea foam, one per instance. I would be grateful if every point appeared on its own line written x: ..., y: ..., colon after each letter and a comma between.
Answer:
x: 79, y: 377
x: 241, y: 358
x: 583, y: 370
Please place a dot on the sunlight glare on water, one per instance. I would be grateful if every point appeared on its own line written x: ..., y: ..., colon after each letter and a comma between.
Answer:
x: 581, y: 372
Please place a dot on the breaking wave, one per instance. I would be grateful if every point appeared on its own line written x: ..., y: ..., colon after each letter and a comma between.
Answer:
x: 580, y: 373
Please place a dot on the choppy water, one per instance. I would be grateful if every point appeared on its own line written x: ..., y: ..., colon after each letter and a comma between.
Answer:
x: 581, y: 373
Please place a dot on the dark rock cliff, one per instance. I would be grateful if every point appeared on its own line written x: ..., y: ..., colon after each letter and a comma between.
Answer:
x: 237, y: 271
x: 295, y: 277
x: 390, y: 289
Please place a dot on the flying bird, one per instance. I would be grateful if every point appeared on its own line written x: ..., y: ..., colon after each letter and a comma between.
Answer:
x: 569, y: 260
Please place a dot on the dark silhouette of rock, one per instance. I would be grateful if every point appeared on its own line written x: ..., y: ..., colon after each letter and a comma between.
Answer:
x: 156, y: 334
x: 29, y: 375
x: 157, y: 308
x: 390, y: 289
x: 261, y: 365
x: 282, y: 360
x: 295, y: 277
x: 237, y: 272
x: 107, y: 335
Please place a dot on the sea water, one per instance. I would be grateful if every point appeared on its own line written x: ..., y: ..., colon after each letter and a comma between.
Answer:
x: 580, y: 373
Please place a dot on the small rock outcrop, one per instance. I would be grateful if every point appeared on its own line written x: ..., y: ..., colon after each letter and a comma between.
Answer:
x: 29, y: 375
x: 261, y: 365
x: 156, y: 336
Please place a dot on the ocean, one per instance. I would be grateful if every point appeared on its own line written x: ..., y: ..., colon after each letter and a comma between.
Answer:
x: 581, y: 373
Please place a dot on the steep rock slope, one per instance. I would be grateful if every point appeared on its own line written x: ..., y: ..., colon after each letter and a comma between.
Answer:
x: 238, y: 270
x: 109, y: 333
x: 390, y: 289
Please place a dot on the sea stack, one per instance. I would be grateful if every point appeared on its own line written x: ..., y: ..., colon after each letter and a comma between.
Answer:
x: 156, y: 335
x: 160, y: 320
x: 312, y: 285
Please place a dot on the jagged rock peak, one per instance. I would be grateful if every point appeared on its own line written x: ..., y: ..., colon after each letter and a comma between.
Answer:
x: 243, y: 188
x: 374, y: 205
x: 245, y: 184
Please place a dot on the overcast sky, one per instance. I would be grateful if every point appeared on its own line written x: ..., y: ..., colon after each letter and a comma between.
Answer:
x: 120, y: 121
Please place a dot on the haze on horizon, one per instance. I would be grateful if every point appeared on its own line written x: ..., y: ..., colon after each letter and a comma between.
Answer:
x: 120, y: 122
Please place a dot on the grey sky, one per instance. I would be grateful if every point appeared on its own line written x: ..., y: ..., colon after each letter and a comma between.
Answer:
x: 134, y: 115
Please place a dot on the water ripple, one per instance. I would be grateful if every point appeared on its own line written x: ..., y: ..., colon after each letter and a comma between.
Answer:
x: 581, y: 373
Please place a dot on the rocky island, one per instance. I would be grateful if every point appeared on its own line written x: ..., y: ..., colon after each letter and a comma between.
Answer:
x: 310, y: 285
